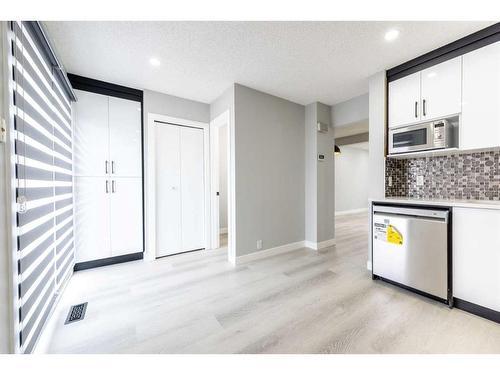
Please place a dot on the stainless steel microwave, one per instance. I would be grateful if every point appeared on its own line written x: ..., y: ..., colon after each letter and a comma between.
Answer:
x: 429, y: 136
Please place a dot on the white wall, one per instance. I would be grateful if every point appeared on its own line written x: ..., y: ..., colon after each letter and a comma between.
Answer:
x: 351, y: 111
x: 168, y: 105
x: 351, y: 179
x: 223, y: 177
x: 270, y: 170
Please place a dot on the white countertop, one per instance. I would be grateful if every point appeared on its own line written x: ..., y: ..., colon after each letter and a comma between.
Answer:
x: 493, y: 205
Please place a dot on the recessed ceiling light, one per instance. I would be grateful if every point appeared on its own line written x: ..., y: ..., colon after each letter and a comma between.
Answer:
x: 154, y: 61
x: 391, y: 35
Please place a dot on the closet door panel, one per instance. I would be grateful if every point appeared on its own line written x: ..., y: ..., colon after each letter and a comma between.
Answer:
x: 91, y: 219
x: 125, y: 137
x: 168, y: 184
x: 126, y: 215
x: 192, y: 189
x: 91, y: 134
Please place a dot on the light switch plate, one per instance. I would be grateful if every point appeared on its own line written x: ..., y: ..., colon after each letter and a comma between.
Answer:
x: 390, y: 180
x: 259, y: 244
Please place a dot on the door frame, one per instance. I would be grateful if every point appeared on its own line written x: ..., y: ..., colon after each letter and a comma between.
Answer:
x: 150, y: 178
x: 224, y: 119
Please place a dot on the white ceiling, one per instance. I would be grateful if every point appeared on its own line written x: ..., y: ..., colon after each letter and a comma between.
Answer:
x: 300, y: 61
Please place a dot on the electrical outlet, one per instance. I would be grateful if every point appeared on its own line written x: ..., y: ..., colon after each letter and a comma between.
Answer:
x: 420, y: 180
x: 259, y: 244
x: 390, y: 181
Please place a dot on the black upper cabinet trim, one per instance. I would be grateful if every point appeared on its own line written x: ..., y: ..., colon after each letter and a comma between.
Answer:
x: 459, y: 47
x: 105, y: 88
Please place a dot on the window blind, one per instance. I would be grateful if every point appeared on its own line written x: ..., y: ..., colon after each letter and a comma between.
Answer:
x: 44, y: 183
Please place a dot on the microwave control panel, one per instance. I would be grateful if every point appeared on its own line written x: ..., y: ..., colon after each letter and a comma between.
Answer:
x: 439, y: 134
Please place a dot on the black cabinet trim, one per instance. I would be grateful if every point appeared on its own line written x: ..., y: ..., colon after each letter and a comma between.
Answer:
x: 478, y: 310
x: 108, y: 261
x: 105, y: 88
x: 459, y: 47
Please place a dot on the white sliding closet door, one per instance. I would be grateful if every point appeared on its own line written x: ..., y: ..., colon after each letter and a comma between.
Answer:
x: 180, y: 200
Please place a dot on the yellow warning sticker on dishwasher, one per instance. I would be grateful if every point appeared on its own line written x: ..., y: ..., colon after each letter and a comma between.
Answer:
x: 394, y: 236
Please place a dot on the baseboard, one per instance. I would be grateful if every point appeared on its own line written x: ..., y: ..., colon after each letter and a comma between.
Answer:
x: 478, y: 310
x: 349, y: 212
x: 223, y: 231
x: 108, y: 261
x: 369, y: 265
x: 269, y: 252
x: 319, y: 245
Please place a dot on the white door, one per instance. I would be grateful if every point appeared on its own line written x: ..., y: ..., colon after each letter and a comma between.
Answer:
x: 125, y: 137
x: 480, y: 126
x: 126, y: 215
x: 180, y: 216
x: 192, y: 189
x: 442, y: 89
x: 92, y: 218
x: 404, y: 100
x: 91, y: 134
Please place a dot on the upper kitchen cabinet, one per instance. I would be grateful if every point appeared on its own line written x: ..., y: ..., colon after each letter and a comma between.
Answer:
x: 404, y: 100
x: 441, y: 94
x: 433, y: 93
x: 125, y: 137
x: 91, y: 134
x: 480, y: 125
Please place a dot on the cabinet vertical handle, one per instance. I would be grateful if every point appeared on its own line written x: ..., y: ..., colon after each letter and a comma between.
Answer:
x: 107, y: 186
x: 423, y: 107
x: 416, y: 109
x: 106, y: 167
x: 113, y: 186
x: 113, y: 166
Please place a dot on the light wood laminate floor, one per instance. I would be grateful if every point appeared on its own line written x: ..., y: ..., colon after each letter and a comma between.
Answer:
x: 299, y: 302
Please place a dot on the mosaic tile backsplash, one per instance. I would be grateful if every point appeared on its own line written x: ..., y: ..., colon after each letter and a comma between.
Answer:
x: 473, y: 175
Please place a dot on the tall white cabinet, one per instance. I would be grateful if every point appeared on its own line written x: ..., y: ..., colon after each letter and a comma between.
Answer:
x: 108, y: 177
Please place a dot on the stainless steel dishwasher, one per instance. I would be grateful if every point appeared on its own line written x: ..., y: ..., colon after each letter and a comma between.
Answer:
x: 410, y: 247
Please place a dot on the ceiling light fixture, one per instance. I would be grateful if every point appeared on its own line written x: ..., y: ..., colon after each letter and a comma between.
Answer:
x: 391, y: 35
x: 337, y: 150
x: 154, y: 61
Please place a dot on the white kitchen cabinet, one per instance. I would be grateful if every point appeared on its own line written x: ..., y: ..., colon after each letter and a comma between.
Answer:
x: 441, y: 94
x: 107, y: 144
x: 125, y: 215
x: 433, y: 93
x: 92, y: 239
x: 480, y: 123
x: 91, y: 134
x: 125, y: 137
x: 476, y: 256
x: 404, y: 100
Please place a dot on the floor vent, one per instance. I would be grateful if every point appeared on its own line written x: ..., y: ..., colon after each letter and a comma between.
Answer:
x: 76, y: 313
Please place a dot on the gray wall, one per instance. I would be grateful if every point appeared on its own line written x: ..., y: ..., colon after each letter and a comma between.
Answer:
x: 168, y: 105
x: 4, y: 256
x: 223, y: 177
x: 270, y: 170
x: 351, y: 111
x: 326, y: 177
x: 311, y: 173
x: 351, y: 179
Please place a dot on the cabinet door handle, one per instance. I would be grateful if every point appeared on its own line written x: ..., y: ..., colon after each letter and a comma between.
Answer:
x: 107, y: 186
x: 423, y: 107
x: 416, y: 109
x: 113, y: 166
x: 113, y: 186
x: 106, y: 166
